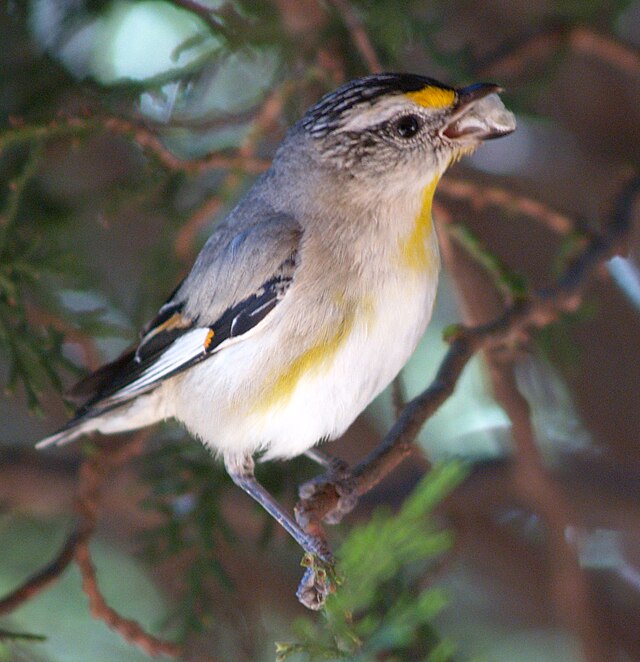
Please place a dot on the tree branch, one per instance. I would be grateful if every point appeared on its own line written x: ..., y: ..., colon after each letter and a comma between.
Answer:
x: 538, y: 310
x: 517, y: 57
x: 480, y: 196
x: 359, y: 35
x: 93, y: 472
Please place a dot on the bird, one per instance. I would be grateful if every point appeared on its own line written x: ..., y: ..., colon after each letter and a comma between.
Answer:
x: 308, y: 299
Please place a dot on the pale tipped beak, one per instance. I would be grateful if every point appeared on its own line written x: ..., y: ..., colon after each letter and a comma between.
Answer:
x: 478, y: 115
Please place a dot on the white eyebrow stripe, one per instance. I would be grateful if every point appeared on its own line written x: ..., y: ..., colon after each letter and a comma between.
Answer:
x: 381, y: 111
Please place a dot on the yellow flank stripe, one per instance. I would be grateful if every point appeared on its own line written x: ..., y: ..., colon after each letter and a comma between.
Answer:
x: 413, y: 249
x: 432, y: 97
x: 310, y: 362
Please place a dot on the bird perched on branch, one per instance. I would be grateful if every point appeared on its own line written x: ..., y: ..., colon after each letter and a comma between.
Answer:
x: 308, y: 299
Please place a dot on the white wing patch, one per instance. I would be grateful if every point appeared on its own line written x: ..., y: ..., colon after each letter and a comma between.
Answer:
x: 183, y: 350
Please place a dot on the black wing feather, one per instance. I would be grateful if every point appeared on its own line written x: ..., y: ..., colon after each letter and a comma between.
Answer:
x: 169, y: 325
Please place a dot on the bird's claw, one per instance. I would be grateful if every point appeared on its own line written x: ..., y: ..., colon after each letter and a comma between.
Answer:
x: 318, y: 581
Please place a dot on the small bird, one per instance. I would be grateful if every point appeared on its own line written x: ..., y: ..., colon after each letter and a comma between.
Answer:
x: 309, y: 298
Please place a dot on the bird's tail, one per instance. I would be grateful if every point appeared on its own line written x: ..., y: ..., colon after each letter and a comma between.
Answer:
x: 72, y: 430
x: 139, y: 413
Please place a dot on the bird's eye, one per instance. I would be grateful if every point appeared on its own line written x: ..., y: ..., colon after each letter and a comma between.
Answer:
x: 407, y: 126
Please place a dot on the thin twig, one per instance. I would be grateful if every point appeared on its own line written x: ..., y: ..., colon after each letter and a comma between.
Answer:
x: 538, y: 310
x: 533, y: 486
x: 480, y: 197
x: 149, y: 141
x: 588, y: 42
x: 128, y: 629
x: 517, y: 57
x: 146, y: 138
x: 46, y: 576
x: 92, y: 476
x: 93, y: 473
x: 398, y: 398
x: 208, y: 15
x: 359, y: 35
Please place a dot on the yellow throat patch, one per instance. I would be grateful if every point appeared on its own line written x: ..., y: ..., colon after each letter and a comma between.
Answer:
x: 432, y: 97
x: 414, y: 251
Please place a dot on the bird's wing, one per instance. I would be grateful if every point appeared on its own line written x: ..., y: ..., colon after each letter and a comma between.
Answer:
x: 237, y: 280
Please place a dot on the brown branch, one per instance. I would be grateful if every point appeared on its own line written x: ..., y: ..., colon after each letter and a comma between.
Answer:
x: 517, y: 57
x: 128, y: 629
x: 540, y: 309
x: 540, y: 492
x: 480, y: 197
x: 207, y: 15
x: 533, y: 486
x: 588, y: 42
x: 66, y: 127
x: 398, y: 399
x: 188, y: 232
x: 46, y: 576
x: 93, y: 472
x: 92, y: 475
x: 90, y: 479
x: 359, y: 35
x: 149, y: 141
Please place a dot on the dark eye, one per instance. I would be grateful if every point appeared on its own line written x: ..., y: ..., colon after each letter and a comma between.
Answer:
x: 407, y: 126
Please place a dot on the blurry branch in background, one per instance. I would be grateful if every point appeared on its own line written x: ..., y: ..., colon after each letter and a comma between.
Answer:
x: 97, y: 466
x: 215, y: 19
x: 481, y: 196
x: 519, y: 55
x: 532, y: 483
x: 358, y: 35
x: 147, y: 139
x: 7, y: 635
x: 47, y: 575
x: 93, y: 473
x: 535, y: 310
x: 622, y: 57
x: 34, y: 354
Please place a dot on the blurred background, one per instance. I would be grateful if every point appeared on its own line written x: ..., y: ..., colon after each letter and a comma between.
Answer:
x: 127, y: 130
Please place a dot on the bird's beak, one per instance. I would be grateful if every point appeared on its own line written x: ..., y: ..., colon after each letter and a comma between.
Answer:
x: 478, y: 115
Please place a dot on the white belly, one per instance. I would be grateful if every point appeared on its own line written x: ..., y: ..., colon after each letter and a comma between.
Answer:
x: 214, y: 398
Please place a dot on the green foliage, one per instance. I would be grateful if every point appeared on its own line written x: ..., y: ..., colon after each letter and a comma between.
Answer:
x: 393, y: 28
x: 382, y: 607
x: 510, y: 284
x: 186, y: 487
x: 20, y: 636
x: 33, y: 351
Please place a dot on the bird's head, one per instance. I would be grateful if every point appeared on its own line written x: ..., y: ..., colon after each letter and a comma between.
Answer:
x: 396, y: 128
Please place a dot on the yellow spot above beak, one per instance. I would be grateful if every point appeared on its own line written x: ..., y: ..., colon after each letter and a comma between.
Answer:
x: 432, y: 97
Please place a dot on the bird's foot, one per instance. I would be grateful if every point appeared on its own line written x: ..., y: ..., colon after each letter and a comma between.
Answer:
x: 318, y: 581
x: 318, y: 495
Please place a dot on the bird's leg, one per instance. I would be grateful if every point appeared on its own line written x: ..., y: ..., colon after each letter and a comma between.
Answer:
x: 337, y: 478
x: 316, y: 582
